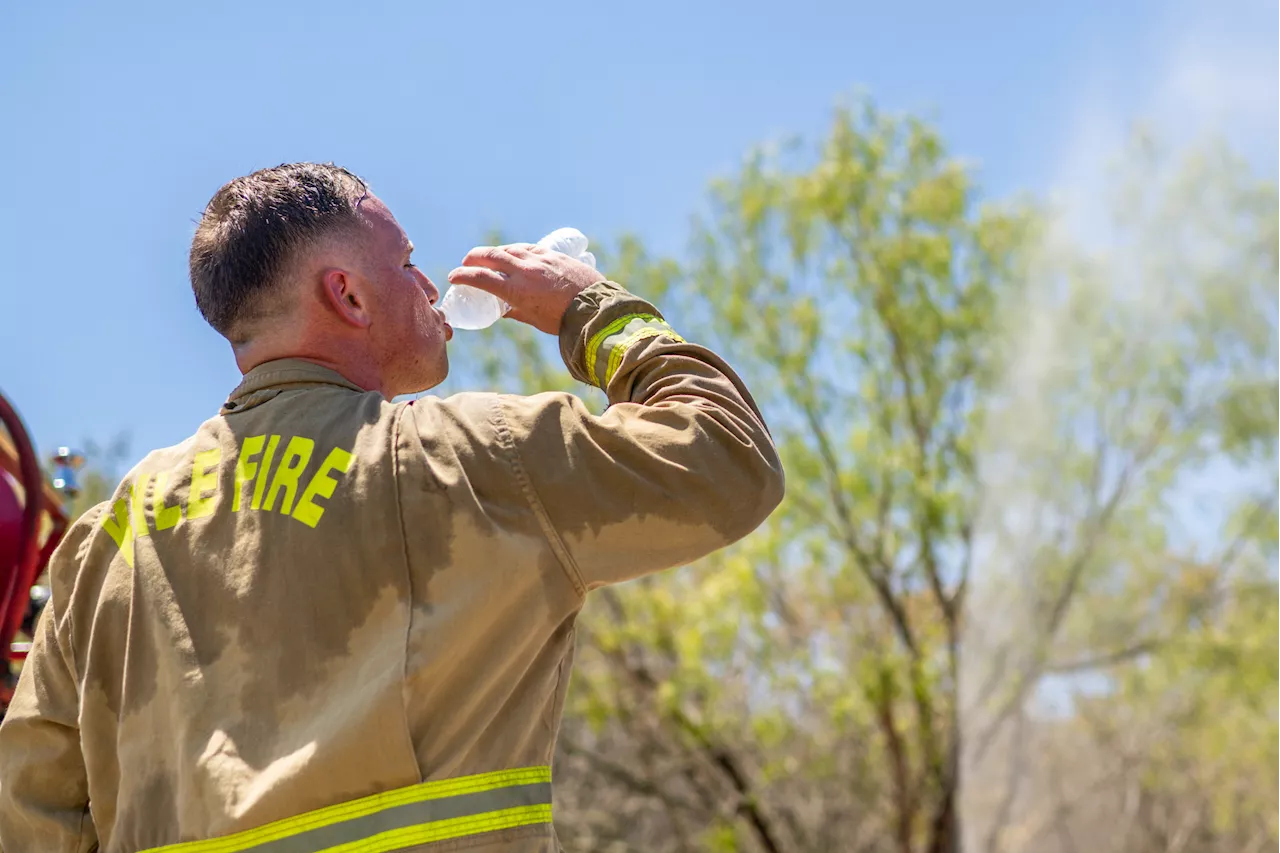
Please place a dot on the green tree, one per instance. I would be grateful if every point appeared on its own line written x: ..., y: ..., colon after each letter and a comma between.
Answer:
x: 986, y: 557
x: 1128, y: 464
x: 801, y: 684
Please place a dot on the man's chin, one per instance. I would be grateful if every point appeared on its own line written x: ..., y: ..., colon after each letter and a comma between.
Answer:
x: 431, y: 378
x: 421, y: 381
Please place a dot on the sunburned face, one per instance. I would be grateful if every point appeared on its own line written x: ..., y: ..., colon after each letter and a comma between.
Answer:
x: 407, y: 334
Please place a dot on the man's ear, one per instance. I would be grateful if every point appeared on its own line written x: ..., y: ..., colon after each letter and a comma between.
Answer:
x: 345, y: 296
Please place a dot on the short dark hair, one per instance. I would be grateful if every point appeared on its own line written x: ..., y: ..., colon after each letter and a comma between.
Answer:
x: 251, y: 229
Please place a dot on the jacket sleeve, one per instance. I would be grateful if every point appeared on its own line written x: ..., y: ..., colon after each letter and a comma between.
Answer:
x: 44, y: 790
x: 680, y: 464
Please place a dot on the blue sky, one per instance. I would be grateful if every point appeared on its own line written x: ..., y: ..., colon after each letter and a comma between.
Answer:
x: 120, y: 120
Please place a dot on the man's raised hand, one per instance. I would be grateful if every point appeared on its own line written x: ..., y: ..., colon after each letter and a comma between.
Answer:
x: 536, y: 283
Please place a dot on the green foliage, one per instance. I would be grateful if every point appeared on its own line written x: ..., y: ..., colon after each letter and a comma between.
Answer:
x: 999, y: 441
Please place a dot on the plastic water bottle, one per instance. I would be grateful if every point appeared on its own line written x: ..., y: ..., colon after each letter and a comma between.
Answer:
x: 468, y: 307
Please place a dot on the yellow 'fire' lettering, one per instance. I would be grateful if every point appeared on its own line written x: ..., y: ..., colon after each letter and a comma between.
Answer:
x: 323, y: 485
x: 246, y: 469
x: 296, y: 457
x: 128, y: 518
x: 204, y: 484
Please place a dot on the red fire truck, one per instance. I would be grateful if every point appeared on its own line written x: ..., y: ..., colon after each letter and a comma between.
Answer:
x: 34, y: 513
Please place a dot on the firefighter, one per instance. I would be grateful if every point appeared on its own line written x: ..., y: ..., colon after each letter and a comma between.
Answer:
x: 328, y: 618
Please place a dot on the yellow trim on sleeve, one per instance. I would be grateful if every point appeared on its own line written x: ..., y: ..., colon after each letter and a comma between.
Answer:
x: 593, y: 345
x: 619, y: 350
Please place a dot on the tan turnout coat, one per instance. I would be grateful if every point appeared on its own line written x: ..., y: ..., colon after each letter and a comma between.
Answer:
x: 323, y: 595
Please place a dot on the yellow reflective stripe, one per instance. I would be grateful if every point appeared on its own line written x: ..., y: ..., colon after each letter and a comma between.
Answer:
x: 617, y: 351
x: 340, y: 813
x: 618, y: 337
x: 593, y: 345
x: 443, y: 830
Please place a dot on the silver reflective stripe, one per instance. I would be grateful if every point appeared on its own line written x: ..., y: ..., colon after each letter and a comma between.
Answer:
x: 410, y: 814
x: 403, y: 818
x: 619, y: 337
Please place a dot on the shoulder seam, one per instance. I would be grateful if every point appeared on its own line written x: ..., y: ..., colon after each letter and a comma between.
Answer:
x: 396, y: 426
x: 549, y: 532
x: 395, y: 485
x: 395, y: 488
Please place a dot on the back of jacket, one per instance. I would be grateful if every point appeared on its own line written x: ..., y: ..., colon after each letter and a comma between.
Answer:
x: 323, y: 596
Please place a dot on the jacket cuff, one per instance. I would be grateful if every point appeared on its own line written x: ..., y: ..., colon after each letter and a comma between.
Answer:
x: 601, y: 321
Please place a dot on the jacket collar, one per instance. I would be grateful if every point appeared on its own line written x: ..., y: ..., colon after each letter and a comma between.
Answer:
x: 271, y: 377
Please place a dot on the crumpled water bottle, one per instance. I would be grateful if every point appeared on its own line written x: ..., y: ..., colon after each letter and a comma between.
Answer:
x: 467, y: 307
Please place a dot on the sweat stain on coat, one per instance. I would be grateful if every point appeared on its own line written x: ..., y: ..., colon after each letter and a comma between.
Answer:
x: 323, y: 595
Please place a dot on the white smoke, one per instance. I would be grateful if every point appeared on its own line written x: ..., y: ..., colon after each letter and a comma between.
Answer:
x: 1216, y: 78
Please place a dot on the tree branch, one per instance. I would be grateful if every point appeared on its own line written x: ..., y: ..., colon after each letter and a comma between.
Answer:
x: 897, y: 762
x: 619, y: 773
x: 1106, y: 659
x: 1034, y: 667
x: 719, y: 755
x: 847, y: 535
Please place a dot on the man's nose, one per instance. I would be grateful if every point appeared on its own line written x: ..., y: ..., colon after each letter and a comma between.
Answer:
x: 428, y: 288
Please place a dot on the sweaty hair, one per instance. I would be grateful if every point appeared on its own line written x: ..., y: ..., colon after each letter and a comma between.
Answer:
x: 253, y: 227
